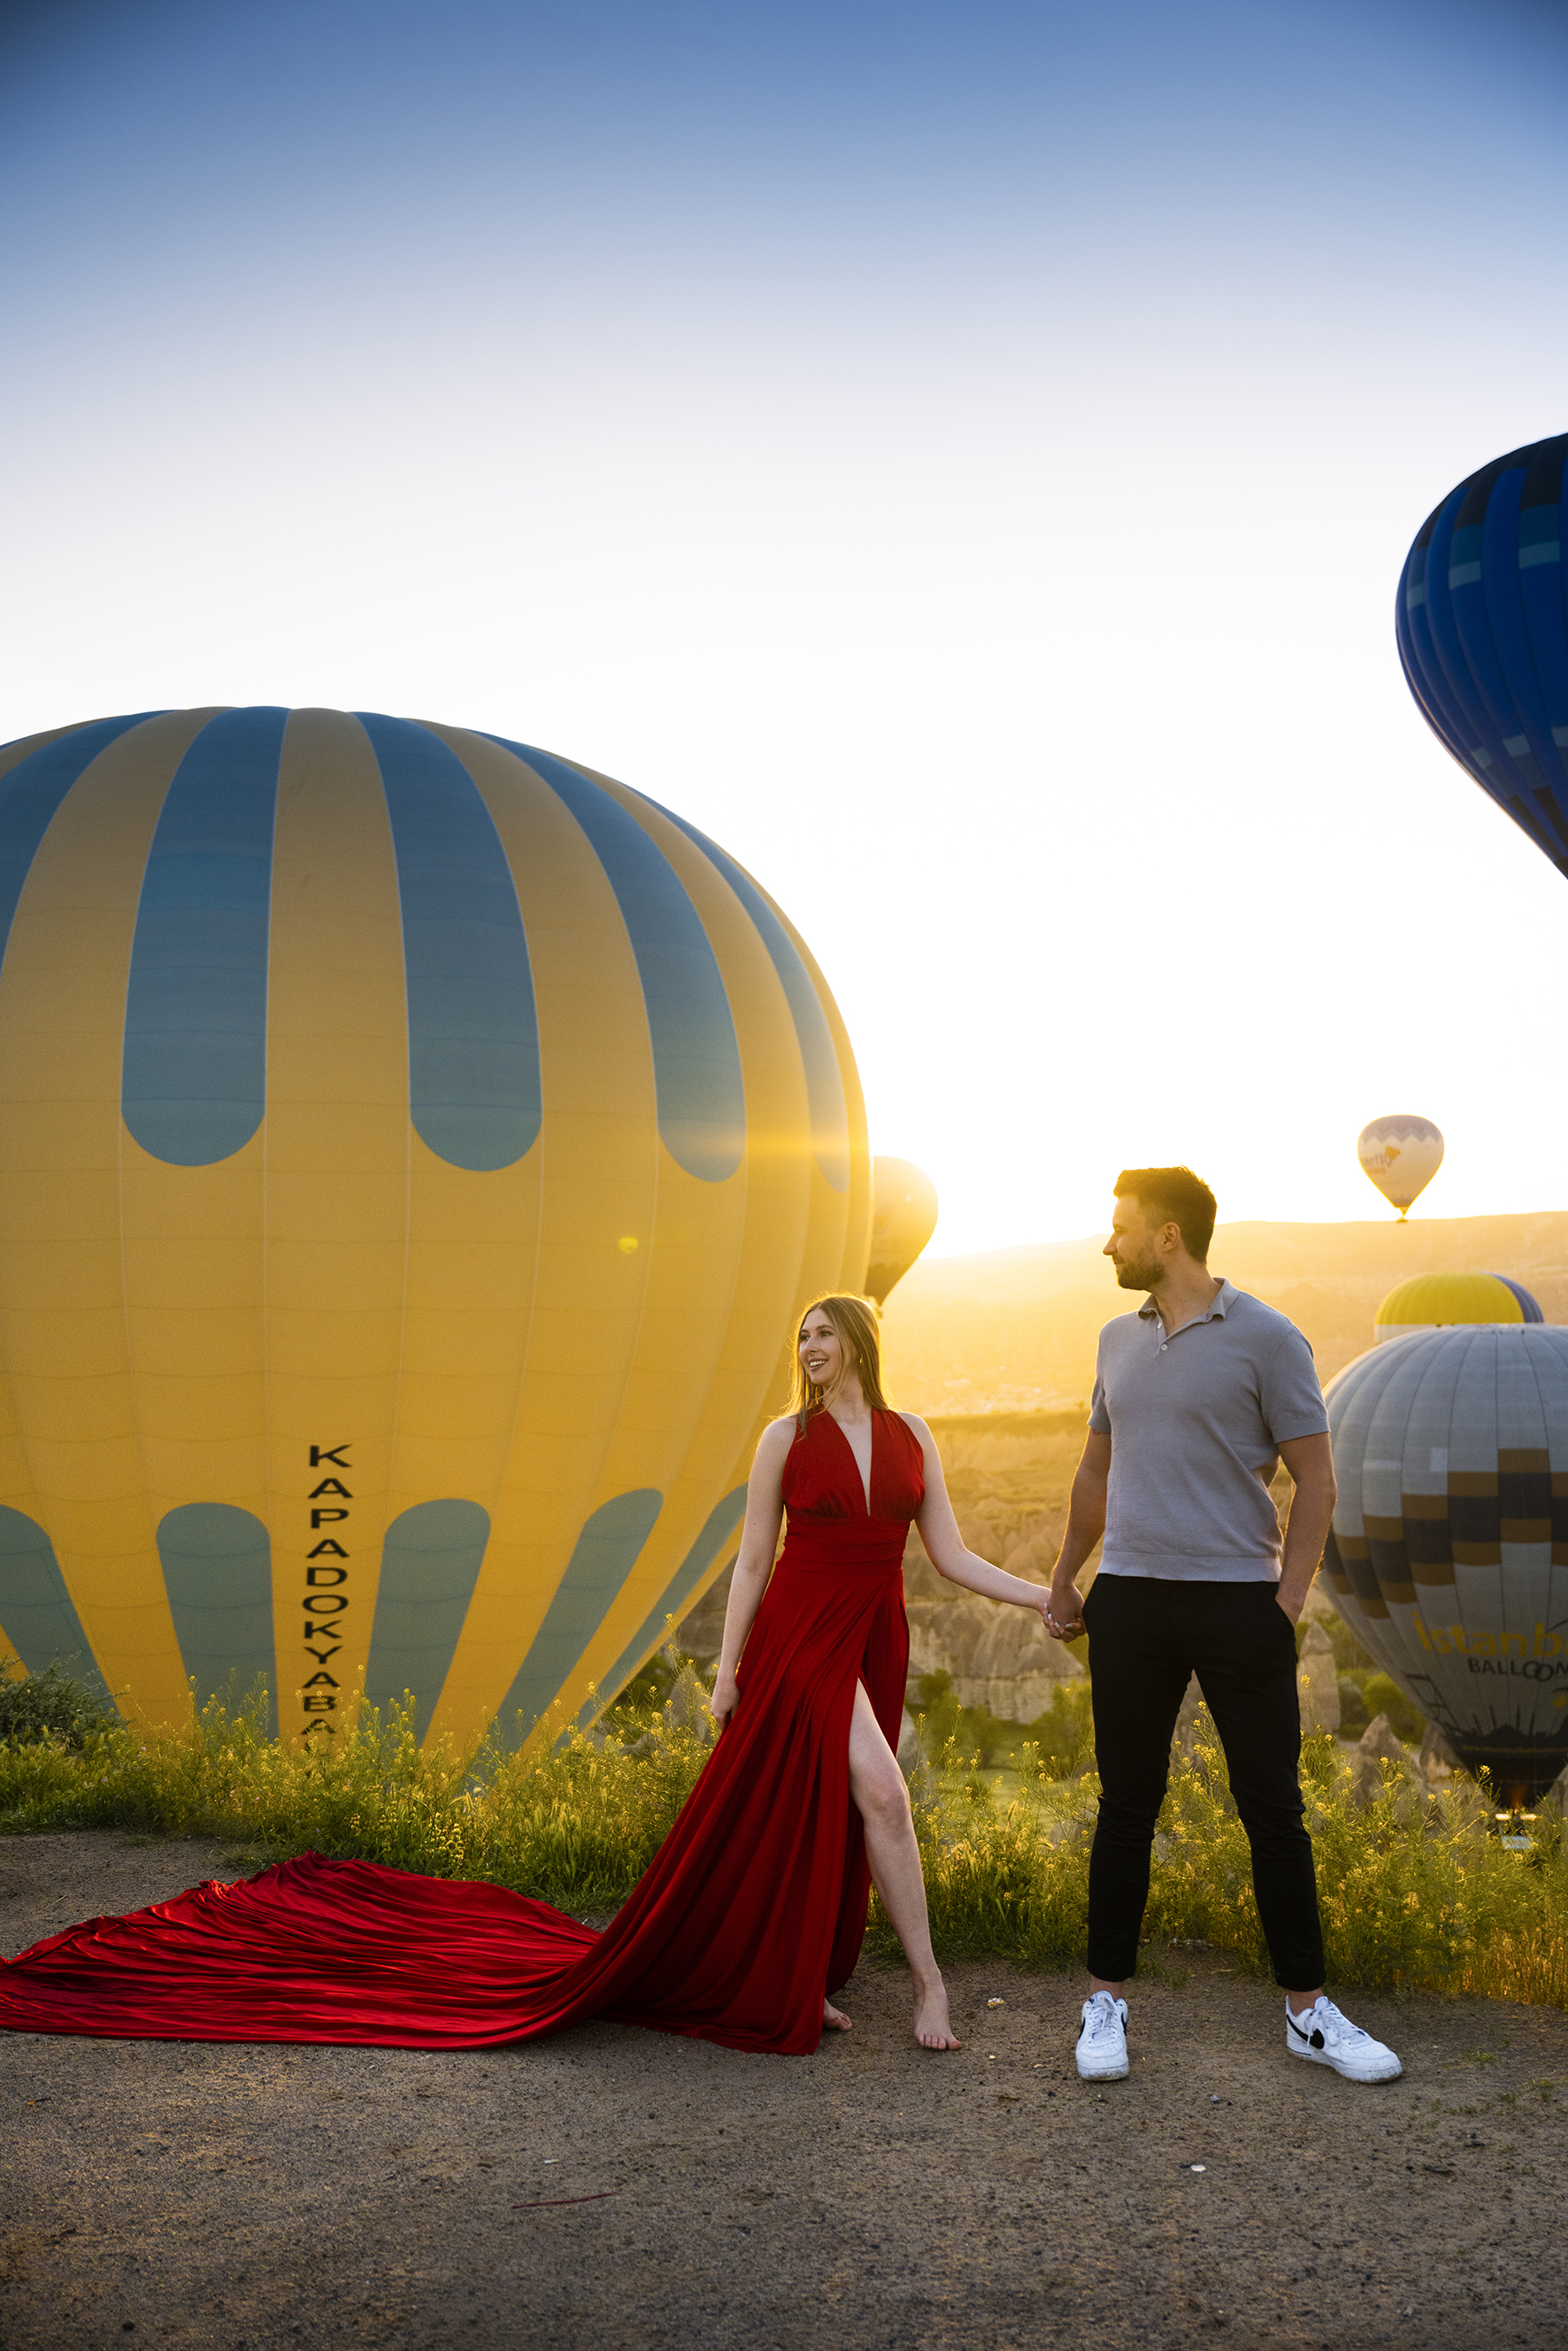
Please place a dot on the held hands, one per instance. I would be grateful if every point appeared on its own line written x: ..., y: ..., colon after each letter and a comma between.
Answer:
x: 725, y: 1697
x: 1063, y: 1609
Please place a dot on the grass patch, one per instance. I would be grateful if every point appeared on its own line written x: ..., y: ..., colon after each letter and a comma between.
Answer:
x: 1058, y: 1742
x: 576, y: 1826
x: 1416, y: 1894
x: 54, y: 1705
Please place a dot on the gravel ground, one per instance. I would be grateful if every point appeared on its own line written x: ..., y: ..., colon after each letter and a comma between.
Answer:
x: 621, y: 2190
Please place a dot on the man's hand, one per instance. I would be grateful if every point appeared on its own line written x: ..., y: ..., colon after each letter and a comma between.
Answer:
x: 1309, y: 1460
x: 1085, y: 1525
x: 1065, y: 1609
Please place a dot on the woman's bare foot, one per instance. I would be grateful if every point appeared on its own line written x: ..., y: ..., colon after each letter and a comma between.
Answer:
x: 834, y: 2019
x: 932, y: 2029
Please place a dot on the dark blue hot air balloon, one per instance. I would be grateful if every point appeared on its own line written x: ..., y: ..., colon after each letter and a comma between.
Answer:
x: 1483, y: 623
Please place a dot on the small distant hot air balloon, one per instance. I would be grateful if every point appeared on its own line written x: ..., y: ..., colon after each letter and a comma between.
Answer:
x: 1401, y: 1155
x: 1432, y: 1302
x: 1483, y: 636
x: 903, y: 1219
x: 1448, y: 1554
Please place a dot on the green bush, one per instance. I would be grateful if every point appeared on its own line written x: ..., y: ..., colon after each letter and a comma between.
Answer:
x: 576, y: 1823
x: 52, y: 1705
x: 1381, y: 1693
x: 1353, y: 1717
x: 1349, y: 1657
x: 936, y: 1711
x: 1056, y: 1743
x: 645, y: 1695
x: 1064, y: 1736
x: 941, y: 1722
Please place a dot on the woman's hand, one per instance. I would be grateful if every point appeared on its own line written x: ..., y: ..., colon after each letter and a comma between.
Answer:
x: 1063, y: 1609
x: 725, y: 1697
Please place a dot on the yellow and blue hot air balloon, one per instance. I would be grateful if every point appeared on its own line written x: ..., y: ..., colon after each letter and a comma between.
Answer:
x: 413, y: 1146
x: 903, y: 1219
x: 1448, y: 1555
x: 1431, y: 1301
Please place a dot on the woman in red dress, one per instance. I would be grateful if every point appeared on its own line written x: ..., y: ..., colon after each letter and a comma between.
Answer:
x: 752, y: 1912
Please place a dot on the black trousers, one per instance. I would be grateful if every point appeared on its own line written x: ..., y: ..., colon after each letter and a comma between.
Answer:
x: 1146, y: 1635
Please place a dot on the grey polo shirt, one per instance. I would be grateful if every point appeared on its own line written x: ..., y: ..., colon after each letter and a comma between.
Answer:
x: 1192, y: 1418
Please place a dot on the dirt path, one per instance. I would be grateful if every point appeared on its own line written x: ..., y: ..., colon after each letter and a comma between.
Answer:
x: 616, y: 2190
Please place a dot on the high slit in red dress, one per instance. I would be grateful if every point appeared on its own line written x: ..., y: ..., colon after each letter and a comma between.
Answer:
x: 752, y: 1910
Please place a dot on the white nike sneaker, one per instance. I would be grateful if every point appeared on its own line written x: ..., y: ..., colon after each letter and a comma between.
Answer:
x: 1325, y: 2037
x: 1102, y: 2044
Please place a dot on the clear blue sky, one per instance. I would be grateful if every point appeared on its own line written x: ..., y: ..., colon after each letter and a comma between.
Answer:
x: 961, y: 457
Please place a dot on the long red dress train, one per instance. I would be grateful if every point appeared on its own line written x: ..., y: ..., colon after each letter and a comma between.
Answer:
x: 752, y: 1910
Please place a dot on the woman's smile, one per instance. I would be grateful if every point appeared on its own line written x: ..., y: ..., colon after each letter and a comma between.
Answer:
x: 819, y: 1351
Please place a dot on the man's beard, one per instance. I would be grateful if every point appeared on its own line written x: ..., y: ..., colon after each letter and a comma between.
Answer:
x: 1138, y: 1272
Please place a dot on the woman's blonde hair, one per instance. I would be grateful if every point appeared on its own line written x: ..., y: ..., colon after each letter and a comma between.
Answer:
x: 860, y: 1343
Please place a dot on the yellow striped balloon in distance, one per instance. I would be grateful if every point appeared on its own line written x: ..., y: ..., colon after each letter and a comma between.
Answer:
x: 1400, y: 1154
x: 1433, y: 1301
x: 413, y: 1148
x: 903, y: 1219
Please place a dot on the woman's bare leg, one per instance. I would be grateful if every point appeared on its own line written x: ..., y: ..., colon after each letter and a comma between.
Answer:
x: 881, y: 1800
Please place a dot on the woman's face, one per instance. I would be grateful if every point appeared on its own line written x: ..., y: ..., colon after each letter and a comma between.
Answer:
x: 821, y: 1352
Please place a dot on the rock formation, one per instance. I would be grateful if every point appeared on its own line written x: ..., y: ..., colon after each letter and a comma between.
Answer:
x: 998, y: 1656
x: 701, y: 1631
x: 1438, y: 1759
x: 1379, y: 1744
x: 1184, y: 1738
x: 1317, y: 1681
x: 921, y: 1581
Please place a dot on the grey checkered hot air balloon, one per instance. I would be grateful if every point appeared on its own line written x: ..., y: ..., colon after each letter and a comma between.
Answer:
x: 1448, y: 1556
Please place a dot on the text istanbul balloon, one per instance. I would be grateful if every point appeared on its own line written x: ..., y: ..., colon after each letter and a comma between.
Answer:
x: 1448, y: 1556
x: 1400, y: 1154
x: 416, y: 1147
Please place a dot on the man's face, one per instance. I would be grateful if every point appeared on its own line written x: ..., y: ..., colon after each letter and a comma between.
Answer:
x: 1133, y: 1247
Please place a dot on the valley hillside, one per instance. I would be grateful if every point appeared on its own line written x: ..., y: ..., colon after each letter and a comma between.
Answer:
x: 1015, y: 1330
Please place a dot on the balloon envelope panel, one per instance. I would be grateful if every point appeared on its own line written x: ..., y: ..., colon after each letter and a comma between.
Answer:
x: 1448, y: 1555
x: 1430, y: 1302
x: 413, y: 1149
x: 1482, y: 628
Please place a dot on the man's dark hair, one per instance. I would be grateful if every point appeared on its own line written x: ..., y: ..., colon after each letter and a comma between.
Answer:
x: 1174, y: 1196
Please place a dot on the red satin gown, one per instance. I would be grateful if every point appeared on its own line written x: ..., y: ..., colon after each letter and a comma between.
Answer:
x: 752, y: 1910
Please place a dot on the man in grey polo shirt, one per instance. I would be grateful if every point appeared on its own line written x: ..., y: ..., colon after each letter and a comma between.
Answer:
x: 1197, y: 1397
